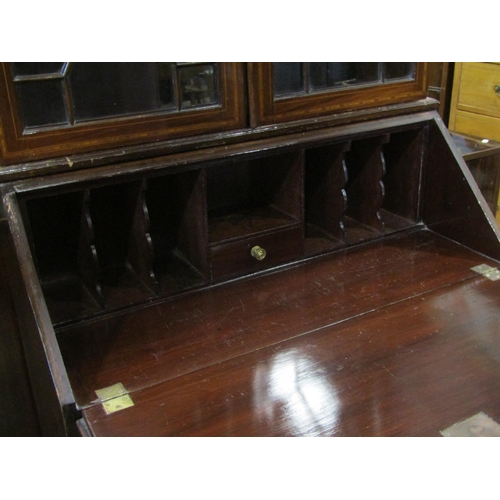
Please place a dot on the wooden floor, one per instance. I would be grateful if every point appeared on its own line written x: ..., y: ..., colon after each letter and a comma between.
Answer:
x: 395, y: 338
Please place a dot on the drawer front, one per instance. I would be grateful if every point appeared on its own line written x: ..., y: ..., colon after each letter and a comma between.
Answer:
x: 480, y: 89
x: 477, y: 125
x: 233, y: 259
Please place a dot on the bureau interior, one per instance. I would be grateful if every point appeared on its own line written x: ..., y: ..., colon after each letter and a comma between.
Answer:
x: 362, y: 189
x: 105, y: 247
x: 133, y: 266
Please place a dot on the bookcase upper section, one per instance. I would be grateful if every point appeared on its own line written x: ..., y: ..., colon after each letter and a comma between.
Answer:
x: 57, y: 110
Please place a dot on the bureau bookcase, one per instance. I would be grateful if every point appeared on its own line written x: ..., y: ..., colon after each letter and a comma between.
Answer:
x: 171, y: 265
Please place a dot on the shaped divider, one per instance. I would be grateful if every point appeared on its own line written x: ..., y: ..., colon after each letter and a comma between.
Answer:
x: 87, y: 255
x: 325, y: 198
x: 365, y: 189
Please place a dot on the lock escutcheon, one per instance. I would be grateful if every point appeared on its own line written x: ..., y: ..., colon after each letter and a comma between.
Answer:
x: 258, y: 253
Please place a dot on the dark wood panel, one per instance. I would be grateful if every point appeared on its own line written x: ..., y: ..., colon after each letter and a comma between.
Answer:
x: 146, y: 346
x: 452, y: 203
x: 404, y: 159
x: 49, y: 382
x: 17, y: 410
x: 410, y: 369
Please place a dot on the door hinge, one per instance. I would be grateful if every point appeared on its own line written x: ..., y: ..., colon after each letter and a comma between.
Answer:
x: 492, y: 273
x: 114, y: 398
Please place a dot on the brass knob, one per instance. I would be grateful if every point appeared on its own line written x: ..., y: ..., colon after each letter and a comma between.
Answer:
x: 258, y: 253
x: 496, y: 88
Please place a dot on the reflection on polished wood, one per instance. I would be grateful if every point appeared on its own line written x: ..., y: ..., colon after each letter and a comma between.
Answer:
x: 398, y: 337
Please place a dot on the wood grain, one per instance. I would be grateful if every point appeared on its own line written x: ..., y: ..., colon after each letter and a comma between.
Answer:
x: 147, y: 346
x: 475, y: 107
x: 477, y: 89
x: 409, y: 369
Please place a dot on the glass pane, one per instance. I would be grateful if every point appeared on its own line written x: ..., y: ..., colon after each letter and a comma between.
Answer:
x: 394, y: 70
x: 36, y: 68
x: 41, y: 103
x: 198, y: 85
x: 115, y: 89
x: 368, y: 72
x: 341, y: 74
x: 331, y: 74
x: 318, y: 75
x: 288, y: 78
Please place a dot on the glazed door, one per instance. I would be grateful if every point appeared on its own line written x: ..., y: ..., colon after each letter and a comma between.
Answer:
x: 59, y: 109
x: 286, y: 91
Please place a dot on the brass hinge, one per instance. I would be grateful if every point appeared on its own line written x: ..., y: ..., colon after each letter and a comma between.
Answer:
x: 114, y: 398
x: 492, y: 273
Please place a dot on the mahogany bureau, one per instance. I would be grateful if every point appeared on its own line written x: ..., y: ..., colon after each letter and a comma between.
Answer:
x: 227, y: 249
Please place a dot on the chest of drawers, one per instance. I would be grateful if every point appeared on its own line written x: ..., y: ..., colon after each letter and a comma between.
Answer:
x: 475, y: 104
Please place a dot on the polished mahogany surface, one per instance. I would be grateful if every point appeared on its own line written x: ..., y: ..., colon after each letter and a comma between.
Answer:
x: 396, y: 337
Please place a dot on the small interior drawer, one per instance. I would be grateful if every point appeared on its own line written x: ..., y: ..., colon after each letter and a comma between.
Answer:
x: 236, y: 258
x: 480, y: 88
